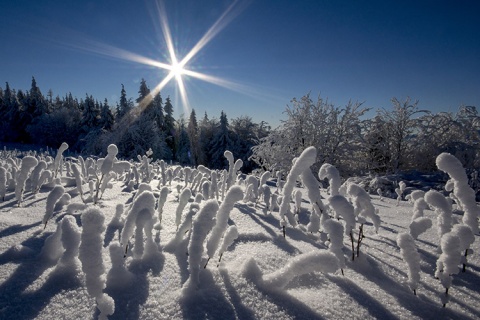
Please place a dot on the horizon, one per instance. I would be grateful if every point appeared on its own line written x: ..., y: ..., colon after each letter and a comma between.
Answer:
x: 270, y: 52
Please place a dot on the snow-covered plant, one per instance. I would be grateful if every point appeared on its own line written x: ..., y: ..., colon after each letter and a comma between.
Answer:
x: 52, y: 248
x: 117, y: 220
x: 335, y: 232
x: 230, y: 235
x: 161, y: 202
x: 311, y: 183
x: 118, y: 276
x: 399, y: 191
x: 419, y: 204
x: 279, y: 181
x: 91, y: 256
x: 234, y: 194
x: 419, y: 226
x: 263, y: 180
x: 467, y: 238
x: 462, y: 191
x: 298, y: 201
x: 106, y: 167
x: 69, y: 261
x: 59, y: 158
x: 203, y: 222
x: 412, y: 258
x: 319, y: 261
x: 229, y: 155
x: 78, y: 179
x: 182, y: 202
x: 52, y: 199
x: 380, y: 193
x: 302, y: 163
x: 443, y: 208
x: 327, y: 171
x: 45, y: 177
x: 448, y: 262
x: 28, y: 163
x: 206, y: 186
x: 3, y: 182
x: 184, y: 227
x: 363, y: 204
x: 345, y: 209
x: 142, y: 210
x: 266, y: 198
x: 363, y: 209
x: 35, y: 175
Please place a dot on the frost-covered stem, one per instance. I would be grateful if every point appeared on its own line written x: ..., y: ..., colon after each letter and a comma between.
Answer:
x: 360, y: 238
x: 353, y: 246
x: 59, y: 157
x: 205, y: 266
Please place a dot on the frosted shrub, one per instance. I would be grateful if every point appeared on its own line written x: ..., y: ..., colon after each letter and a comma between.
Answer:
x: 335, y: 232
x: 467, y: 238
x: 59, y: 158
x: 345, y: 209
x: 182, y: 202
x: 311, y: 183
x: 234, y: 194
x: 419, y: 226
x: 203, y: 222
x: 230, y: 235
x: 52, y: 198
x: 70, y: 237
x: 412, y: 258
x: 91, y: 256
x: 443, y: 208
x: 184, y: 228
x: 28, y: 163
x: 447, y: 263
x: 35, y: 175
x: 328, y: 171
x: 302, y: 163
x: 161, y: 202
x: 399, y: 191
x: 451, y: 165
x: 142, y: 209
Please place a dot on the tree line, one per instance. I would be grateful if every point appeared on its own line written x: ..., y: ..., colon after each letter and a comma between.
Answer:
x: 135, y: 126
x: 400, y: 138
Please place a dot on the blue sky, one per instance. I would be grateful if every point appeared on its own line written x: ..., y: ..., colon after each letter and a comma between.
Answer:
x: 367, y: 51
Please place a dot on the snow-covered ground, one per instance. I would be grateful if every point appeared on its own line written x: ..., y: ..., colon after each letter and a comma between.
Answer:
x: 374, y: 285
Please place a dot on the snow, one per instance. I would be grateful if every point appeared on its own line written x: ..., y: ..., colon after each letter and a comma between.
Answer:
x: 262, y: 274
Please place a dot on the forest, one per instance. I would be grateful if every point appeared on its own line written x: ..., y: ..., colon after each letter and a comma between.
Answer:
x: 354, y: 138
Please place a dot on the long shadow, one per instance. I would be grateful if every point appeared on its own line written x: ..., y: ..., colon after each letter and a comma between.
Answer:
x: 425, y: 309
x: 197, y: 303
x: 374, y: 307
x: 291, y: 305
x: 110, y: 234
x: 128, y: 300
x: 241, y: 311
x: 17, y: 228
x: 29, y: 305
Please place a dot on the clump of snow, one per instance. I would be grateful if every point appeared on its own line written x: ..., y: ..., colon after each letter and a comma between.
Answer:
x: 410, y: 254
x: 462, y: 191
x: 328, y: 171
x: 443, y: 208
x: 321, y: 261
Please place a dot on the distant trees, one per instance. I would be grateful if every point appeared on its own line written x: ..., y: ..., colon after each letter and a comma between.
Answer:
x: 401, y: 137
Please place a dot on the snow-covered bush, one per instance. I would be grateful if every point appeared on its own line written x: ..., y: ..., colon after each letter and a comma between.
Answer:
x: 90, y: 254
x: 448, y: 262
x: 327, y: 171
x: 28, y: 163
x: 412, y: 258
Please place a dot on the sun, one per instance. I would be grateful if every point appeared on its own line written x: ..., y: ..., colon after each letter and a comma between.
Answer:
x: 177, y: 70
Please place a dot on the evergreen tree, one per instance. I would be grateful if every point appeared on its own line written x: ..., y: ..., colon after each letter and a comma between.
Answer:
x: 192, y: 131
x: 183, y: 153
x: 125, y: 105
x: 143, y: 99
x: 106, y: 117
x: 205, y: 135
x: 221, y: 142
x: 169, y: 125
x: 37, y: 104
x: 158, y: 111
x: 91, y: 114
